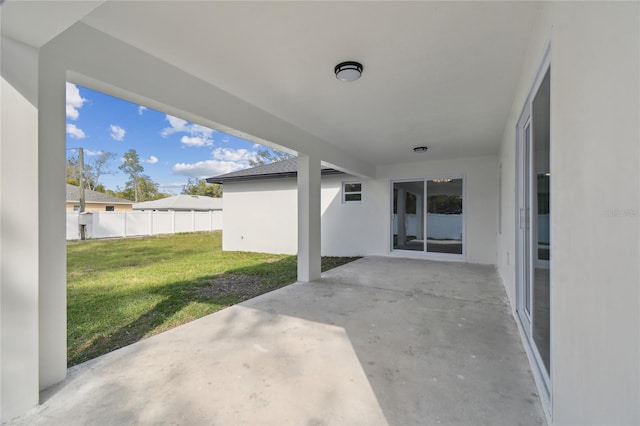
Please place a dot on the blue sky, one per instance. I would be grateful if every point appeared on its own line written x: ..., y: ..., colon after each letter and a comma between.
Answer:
x: 171, y: 150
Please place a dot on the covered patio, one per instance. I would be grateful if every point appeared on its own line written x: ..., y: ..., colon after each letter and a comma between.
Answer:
x: 377, y: 341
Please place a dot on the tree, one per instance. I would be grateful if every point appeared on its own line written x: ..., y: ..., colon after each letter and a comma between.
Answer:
x: 73, y: 172
x: 100, y: 166
x: 92, y: 170
x: 267, y: 156
x: 131, y: 166
x: 201, y: 187
x: 147, y: 190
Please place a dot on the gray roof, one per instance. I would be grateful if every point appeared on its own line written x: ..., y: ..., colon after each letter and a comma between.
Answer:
x: 182, y: 202
x: 280, y: 169
x: 73, y: 196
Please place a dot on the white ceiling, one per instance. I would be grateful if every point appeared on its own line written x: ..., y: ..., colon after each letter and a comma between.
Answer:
x: 441, y: 74
x: 36, y: 22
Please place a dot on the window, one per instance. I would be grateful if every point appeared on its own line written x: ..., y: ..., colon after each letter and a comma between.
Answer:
x: 110, y: 208
x: 76, y: 208
x: 351, y: 192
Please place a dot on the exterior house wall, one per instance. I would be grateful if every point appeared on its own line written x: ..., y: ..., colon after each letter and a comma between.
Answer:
x: 261, y: 215
x: 100, y: 207
x: 480, y: 199
x: 595, y: 133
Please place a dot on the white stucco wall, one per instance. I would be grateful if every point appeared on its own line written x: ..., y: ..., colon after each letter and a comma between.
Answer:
x: 595, y: 200
x: 19, y: 230
x: 261, y: 215
x: 480, y: 200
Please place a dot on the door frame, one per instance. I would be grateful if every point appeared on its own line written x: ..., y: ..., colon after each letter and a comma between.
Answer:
x: 424, y: 254
x: 522, y: 158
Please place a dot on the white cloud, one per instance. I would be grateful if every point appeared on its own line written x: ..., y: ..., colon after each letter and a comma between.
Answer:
x: 117, y: 132
x: 197, y: 129
x: 177, y: 125
x: 197, y: 135
x: 152, y: 160
x: 172, y: 185
x: 195, y: 141
x: 225, y: 160
x: 74, y: 101
x: 236, y: 155
x: 90, y: 153
x: 141, y: 109
x: 75, y: 132
x: 208, y: 168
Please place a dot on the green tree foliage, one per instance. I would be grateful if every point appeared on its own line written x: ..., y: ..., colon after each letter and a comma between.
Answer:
x: 131, y: 167
x: 93, y: 170
x: 201, y: 187
x: 147, y: 190
x: 267, y: 156
x: 444, y: 204
x: 73, y: 172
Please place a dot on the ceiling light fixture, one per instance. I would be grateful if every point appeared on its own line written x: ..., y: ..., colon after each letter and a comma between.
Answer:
x: 348, y: 71
x: 420, y: 149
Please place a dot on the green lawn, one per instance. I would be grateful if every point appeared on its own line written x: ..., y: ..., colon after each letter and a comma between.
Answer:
x: 121, y: 291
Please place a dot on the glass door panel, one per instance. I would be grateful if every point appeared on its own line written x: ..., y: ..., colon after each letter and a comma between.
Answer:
x: 408, y: 216
x: 444, y: 216
x: 540, y: 208
x: 534, y: 218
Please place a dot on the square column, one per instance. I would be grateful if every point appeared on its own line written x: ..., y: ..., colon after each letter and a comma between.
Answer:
x: 309, y: 219
x: 19, y: 259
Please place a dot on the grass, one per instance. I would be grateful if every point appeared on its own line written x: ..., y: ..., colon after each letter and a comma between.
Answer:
x: 121, y: 291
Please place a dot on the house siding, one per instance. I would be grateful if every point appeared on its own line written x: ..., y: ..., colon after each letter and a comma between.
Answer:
x: 100, y: 207
x: 595, y: 92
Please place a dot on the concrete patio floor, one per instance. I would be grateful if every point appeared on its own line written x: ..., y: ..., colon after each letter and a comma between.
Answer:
x: 378, y: 341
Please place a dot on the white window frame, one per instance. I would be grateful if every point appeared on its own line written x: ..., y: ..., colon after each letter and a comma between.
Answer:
x: 345, y: 192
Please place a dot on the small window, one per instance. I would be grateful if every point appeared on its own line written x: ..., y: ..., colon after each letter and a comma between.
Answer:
x: 351, y: 192
x: 110, y: 208
x: 76, y: 208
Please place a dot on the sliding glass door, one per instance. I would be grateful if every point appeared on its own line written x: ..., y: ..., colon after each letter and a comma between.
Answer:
x: 427, y: 216
x: 533, y: 221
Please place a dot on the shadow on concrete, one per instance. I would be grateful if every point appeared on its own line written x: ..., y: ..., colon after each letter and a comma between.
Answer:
x: 377, y: 341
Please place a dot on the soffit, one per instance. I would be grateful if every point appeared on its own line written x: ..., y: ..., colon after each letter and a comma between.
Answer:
x: 35, y: 23
x: 441, y: 74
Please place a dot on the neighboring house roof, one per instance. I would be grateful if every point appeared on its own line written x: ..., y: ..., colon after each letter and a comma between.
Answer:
x: 181, y: 202
x: 90, y: 196
x: 280, y: 169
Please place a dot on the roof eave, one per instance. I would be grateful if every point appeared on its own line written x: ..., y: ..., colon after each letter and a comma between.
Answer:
x: 220, y: 180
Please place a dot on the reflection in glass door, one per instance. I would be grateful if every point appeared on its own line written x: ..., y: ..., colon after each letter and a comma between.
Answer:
x: 408, y: 221
x: 428, y: 216
x: 534, y: 238
x: 444, y: 216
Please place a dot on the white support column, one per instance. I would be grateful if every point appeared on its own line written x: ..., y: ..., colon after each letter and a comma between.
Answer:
x: 51, y: 218
x: 309, y: 219
x: 19, y: 370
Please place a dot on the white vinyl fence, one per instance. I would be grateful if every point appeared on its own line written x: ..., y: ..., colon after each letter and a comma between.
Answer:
x: 136, y: 223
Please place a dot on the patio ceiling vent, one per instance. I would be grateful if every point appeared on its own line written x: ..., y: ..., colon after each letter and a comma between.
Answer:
x: 348, y: 71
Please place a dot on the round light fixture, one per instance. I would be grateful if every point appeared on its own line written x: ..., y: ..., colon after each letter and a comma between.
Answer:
x: 420, y: 149
x: 348, y: 71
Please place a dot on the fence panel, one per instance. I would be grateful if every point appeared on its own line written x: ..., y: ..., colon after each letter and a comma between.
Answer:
x: 136, y: 223
x: 162, y: 222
